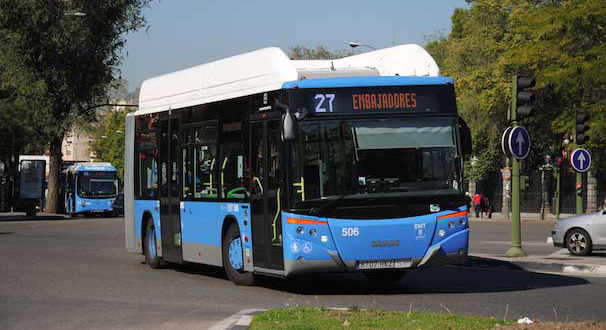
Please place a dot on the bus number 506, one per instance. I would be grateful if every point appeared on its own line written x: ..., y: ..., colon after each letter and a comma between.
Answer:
x: 349, y: 231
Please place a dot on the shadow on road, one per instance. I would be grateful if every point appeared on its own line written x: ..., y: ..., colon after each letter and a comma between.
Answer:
x: 430, y: 281
x: 437, y: 280
x: 23, y: 217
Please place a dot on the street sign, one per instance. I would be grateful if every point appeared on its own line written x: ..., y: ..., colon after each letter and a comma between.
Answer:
x: 506, y: 174
x: 519, y: 142
x: 504, y: 141
x: 580, y: 160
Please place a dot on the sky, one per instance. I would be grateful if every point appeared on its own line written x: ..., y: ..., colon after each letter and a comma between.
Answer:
x: 186, y: 33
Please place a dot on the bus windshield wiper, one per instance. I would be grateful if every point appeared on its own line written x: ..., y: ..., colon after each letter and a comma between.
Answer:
x: 329, y: 206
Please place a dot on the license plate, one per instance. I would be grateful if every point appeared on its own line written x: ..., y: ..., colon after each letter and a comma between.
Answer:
x: 97, y: 210
x: 385, y: 264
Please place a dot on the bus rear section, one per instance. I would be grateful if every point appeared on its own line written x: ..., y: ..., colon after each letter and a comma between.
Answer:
x: 90, y: 188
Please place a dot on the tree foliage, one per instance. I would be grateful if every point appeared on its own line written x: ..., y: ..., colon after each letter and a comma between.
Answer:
x: 560, y: 42
x: 62, y: 56
x: 108, y: 140
x: 318, y: 53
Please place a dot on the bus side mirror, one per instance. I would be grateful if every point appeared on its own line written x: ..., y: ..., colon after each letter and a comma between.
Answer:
x: 289, y: 126
x: 465, y: 137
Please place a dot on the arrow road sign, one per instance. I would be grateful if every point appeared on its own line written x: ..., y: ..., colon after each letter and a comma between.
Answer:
x: 580, y: 160
x: 505, y: 141
x: 519, y: 142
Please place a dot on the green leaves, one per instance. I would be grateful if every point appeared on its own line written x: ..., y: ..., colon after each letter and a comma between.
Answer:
x: 561, y: 42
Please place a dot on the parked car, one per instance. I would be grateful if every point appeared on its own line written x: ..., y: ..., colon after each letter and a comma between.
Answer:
x: 581, y: 234
x: 118, y: 204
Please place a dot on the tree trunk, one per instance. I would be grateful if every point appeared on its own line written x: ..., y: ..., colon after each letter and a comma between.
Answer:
x: 55, y: 160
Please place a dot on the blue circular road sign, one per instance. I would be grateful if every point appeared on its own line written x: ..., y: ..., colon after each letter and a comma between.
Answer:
x: 519, y: 142
x: 580, y: 160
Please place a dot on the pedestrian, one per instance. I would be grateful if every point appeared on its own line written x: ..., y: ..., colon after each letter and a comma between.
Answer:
x: 486, y: 207
x: 468, y: 201
x: 477, y: 203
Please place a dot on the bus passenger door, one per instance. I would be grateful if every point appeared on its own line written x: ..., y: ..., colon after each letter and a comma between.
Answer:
x: 170, y: 219
x: 265, y: 147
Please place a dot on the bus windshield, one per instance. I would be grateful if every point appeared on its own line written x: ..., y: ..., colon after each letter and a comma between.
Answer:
x: 386, y: 157
x: 97, y: 184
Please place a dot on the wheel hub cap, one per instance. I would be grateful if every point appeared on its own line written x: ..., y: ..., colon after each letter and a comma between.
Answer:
x: 235, y: 254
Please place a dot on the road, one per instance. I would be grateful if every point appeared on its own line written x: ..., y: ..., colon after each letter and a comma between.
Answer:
x: 76, y: 274
x: 494, y: 237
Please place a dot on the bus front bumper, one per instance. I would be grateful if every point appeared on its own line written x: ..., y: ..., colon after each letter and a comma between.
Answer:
x: 441, y: 253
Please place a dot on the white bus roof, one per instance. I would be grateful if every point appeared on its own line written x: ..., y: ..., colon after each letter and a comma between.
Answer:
x: 267, y: 70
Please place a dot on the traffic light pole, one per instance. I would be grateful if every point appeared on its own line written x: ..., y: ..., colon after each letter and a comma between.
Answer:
x: 579, y: 191
x: 516, y: 229
x: 557, y: 194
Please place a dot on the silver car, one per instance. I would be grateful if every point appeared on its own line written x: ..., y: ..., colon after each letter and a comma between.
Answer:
x: 581, y: 234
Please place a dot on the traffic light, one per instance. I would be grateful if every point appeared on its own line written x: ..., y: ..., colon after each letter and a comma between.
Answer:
x: 523, y: 97
x: 524, y: 182
x: 581, y: 128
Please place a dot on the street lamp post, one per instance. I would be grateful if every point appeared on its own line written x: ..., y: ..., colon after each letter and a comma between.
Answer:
x: 354, y: 44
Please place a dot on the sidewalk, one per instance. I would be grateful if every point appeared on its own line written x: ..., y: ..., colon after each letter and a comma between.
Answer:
x: 560, y: 262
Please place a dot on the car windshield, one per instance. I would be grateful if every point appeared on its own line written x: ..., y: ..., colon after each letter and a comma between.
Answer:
x: 97, y: 184
x: 374, y: 157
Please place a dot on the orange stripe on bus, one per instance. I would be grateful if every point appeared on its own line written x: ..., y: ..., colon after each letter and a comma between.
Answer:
x: 294, y: 221
x: 453, y: 215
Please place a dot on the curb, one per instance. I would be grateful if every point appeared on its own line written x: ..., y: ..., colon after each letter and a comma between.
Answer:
x: 239, y: 321
x: 537, y: 266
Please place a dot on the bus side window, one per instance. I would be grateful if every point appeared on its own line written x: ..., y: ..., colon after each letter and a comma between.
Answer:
x: 148, y: 172
x: 188, y: 176
x: 205, y: 164
x: 232, y: 172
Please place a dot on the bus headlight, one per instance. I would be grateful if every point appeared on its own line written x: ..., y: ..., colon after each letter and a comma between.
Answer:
x: 441, y: 232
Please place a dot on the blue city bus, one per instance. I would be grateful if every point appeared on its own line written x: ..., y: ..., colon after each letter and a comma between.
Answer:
x: 291, y: 167
x: 90, y: 188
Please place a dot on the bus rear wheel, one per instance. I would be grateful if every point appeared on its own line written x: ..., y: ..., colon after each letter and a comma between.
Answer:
x: 151, y: 247
x: 233, y: 259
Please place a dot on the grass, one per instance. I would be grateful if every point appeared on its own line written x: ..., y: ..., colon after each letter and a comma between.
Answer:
x: 307, y: 318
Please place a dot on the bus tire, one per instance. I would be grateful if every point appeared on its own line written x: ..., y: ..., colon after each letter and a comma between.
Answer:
x: 385, y: 277
x: 233, y: 260
x: 151, y: 247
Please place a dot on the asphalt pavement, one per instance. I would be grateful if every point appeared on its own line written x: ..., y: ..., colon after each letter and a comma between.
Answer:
x: 76, y: 274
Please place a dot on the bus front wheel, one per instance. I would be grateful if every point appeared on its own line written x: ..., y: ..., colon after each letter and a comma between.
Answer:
x: 151, y: 247
x: 233, y: 259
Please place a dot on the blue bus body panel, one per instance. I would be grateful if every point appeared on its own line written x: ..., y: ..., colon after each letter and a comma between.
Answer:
x: 93, y: 205
x: 367, y: 82
x: 153, y: 208
x: 349, y: 241
x: 383, y: 239
x: 305, y: 245
x: 201, y: 222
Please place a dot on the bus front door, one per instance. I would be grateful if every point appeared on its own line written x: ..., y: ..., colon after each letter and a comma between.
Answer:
x: 265, y: 147
x: 170, y: 219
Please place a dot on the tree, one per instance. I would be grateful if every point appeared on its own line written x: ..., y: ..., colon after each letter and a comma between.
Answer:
x: 108, y: 140
x: 64, y: 61
x: 319, y: 53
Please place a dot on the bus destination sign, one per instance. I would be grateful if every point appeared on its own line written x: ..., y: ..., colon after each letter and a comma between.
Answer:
x: 380, y: 101
x: 391, y: 99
